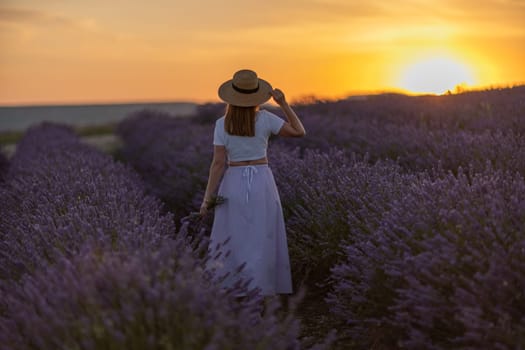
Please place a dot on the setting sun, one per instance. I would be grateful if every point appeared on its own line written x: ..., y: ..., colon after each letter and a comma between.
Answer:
x: 74, y: 51
x: 435, y: 75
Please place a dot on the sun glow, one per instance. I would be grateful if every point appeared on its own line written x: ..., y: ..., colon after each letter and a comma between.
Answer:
x: 435, y: 75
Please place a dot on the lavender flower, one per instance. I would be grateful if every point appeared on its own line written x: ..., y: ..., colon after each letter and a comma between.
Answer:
x: 60, y: 193
x: 377, y: 195
x: 329, y: 199
x: 4, y: 165
x: 426, y: 277
x: 88, y: 260
x: 136, y: 299
x: 172, y: 155
x: 420, y: 132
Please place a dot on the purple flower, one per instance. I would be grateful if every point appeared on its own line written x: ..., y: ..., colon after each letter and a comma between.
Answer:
x: 61, y: 193
x: 90, y: 260
x: 426, y: 276
x: 4, y: 165
x: 172, y: 155
x: 142, y: 298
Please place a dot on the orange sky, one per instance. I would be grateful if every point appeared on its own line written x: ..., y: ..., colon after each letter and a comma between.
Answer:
x: 72, y: 51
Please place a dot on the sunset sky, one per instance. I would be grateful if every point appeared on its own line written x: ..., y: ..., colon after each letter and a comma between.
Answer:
x: 72, y: 51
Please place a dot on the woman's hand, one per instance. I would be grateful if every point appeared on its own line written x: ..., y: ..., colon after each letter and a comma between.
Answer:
x: 217, y: 167
x: 278, y: 97
x: 293, y: 127
x: 204, y: 208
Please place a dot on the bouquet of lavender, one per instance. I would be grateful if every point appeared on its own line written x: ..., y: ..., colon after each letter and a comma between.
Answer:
x: 216, y: 201
x: 212, y: 204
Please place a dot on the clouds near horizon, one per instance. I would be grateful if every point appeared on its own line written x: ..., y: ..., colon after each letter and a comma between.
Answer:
x: 140, y: 51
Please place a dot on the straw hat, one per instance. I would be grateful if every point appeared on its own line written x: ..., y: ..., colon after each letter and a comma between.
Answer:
x: 245, y: 89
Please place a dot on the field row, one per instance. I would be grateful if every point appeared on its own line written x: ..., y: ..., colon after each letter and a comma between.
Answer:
x: 89, y: 260
x: 404, y: 219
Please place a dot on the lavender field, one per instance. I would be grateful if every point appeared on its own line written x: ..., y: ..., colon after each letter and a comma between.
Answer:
x: 405, y: 220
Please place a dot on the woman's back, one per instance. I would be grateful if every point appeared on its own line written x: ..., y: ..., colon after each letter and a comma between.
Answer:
x: 241, y: 148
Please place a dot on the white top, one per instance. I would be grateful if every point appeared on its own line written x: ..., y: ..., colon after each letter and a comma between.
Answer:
x: 239, y: 148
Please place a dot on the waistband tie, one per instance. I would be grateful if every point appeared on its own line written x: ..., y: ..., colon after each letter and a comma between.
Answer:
x: 248, y: 173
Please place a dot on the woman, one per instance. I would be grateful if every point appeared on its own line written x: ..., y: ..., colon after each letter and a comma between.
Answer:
x: 250, y: 220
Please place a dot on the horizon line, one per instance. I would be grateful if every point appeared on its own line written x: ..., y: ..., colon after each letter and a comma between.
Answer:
x: 297, y: 99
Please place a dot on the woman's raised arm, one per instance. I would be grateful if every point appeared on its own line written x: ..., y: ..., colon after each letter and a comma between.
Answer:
x: 293, y: 126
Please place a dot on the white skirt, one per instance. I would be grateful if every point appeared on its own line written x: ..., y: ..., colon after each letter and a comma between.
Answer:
x: 251, y: 219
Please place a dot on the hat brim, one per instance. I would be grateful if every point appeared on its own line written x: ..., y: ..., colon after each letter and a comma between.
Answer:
x: 229, y: 95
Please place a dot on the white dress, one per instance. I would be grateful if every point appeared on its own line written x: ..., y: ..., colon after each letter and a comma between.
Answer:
x: 251, y: 221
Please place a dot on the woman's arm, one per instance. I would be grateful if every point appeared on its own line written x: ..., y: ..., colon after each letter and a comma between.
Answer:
x: 217, y: 167
x: 293, y: 127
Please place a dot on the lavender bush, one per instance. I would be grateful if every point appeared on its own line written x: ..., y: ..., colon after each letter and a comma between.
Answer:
x: 415, y: 148
x: 426, y: 277
x: 494, y: 109
x: 419, y: 132
x: 4, y: 165
x: 361, y: 191
x: 139, y: 299
x: 60, y: 193
x: 172, y: 155
x: 330, y: 198
x: 207, y: 113
x: 89, y: 261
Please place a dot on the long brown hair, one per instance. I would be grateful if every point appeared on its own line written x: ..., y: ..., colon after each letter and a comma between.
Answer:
x: 240, y: 121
